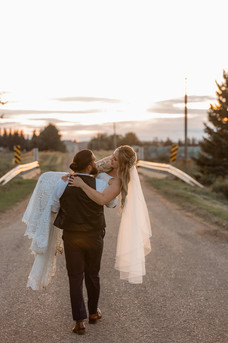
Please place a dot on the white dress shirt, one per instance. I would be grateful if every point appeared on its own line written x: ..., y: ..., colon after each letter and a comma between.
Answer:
x: 60, y: 188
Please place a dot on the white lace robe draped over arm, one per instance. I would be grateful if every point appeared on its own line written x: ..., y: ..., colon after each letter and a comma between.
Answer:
x: 46, y: 238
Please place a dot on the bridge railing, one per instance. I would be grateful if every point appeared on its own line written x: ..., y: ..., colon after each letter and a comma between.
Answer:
x: 17, y: 170
x: 167, y: 168
x: 163, y: 167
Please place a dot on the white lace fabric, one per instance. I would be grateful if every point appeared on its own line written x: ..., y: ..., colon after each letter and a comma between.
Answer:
x: 46, y: 238
x: 44, y: 266
x: 38, y: 214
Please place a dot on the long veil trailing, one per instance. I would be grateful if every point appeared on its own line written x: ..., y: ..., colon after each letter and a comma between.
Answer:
x: 133, y: 242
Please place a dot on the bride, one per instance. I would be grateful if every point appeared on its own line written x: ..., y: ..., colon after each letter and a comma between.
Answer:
x: 134, y: 232
x: 133, y: 242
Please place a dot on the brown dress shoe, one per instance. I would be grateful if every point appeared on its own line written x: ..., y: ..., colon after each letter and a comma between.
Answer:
x: 79, y: 328
x: 94, y: 317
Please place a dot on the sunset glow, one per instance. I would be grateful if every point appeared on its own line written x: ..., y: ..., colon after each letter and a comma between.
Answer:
x: 83, y: 65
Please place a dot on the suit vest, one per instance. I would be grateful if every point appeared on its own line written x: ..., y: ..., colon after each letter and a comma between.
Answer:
x: 77, y: 211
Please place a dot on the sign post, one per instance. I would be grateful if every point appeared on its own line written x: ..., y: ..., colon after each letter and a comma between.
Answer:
x: 17, y: 154
x: 173, y: 153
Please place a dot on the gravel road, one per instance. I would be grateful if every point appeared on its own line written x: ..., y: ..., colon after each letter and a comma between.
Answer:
x: 183, y: 299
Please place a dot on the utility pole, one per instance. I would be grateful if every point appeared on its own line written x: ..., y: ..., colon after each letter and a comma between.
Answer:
x: 185, y: 126
x: 114, y: 136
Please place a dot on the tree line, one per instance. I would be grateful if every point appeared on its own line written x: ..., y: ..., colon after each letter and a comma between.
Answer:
x: 104, y: 141
x: 48, y: 138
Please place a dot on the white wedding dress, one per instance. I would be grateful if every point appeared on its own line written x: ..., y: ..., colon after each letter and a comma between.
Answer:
x: 133, y: 242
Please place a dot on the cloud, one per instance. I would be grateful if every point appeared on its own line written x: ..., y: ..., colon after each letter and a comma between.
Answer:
x: 9, y: 125
x: 77, y: 128
x: 145, y: 130
x: 43, y: 112
x: 88, y: 99
x: 172, y: 128
x: 176, y: 106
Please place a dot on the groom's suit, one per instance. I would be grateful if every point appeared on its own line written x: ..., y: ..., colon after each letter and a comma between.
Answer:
x: 77, y: 211
x: 83, y: 224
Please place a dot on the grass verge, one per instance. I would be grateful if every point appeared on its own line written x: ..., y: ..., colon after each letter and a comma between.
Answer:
x: 15, y: 191
x: 52, y: 161
x: 204, y: 203
x: 6, y: 162
x: 18, y: 189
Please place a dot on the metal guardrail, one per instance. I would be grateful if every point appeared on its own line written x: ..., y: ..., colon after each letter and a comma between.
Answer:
x: 17, y: 170
x: 169, y: 169
x: 143, y: 164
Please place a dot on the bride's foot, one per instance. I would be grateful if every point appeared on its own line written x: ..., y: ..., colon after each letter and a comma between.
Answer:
x: 79, y: 328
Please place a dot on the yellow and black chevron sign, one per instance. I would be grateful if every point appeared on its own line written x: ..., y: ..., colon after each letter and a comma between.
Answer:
x: 173, y: 153
x: 17, y: 154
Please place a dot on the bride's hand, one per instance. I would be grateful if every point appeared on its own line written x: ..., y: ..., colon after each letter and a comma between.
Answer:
x: 65, y: 177
x: 76, y: 181
x: 104, y: 165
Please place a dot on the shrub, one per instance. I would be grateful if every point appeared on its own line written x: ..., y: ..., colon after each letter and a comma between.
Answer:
x: 220, y: 186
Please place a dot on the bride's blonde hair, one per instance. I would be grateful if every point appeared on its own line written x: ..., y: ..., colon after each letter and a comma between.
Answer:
x: 127, y: 157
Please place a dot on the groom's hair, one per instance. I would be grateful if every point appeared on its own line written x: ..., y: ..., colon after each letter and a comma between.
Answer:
x: 81, y: 160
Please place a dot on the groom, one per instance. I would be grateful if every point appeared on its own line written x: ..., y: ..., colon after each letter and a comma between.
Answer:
x: 83, y: 225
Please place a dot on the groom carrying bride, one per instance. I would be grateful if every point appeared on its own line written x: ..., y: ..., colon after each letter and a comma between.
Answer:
x: 83, y: 224
x: 79, y: 203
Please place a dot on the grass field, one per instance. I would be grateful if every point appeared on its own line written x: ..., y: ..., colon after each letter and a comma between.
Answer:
x: 6, y: 162
x: 15, y: 191
x: 102, y: 153
x: 202, y: 202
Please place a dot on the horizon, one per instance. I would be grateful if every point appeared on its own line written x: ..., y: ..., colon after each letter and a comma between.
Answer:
x: 152, y: 127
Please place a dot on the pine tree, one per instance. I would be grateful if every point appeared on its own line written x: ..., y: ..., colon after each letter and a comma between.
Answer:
x: 213, y: 160
x: 130, y: 138
x: 34, y: 140
x: 50, y: 139
x: 5, y: 139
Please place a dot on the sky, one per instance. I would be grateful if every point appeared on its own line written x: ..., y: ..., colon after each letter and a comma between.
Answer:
x: 84, y: 65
